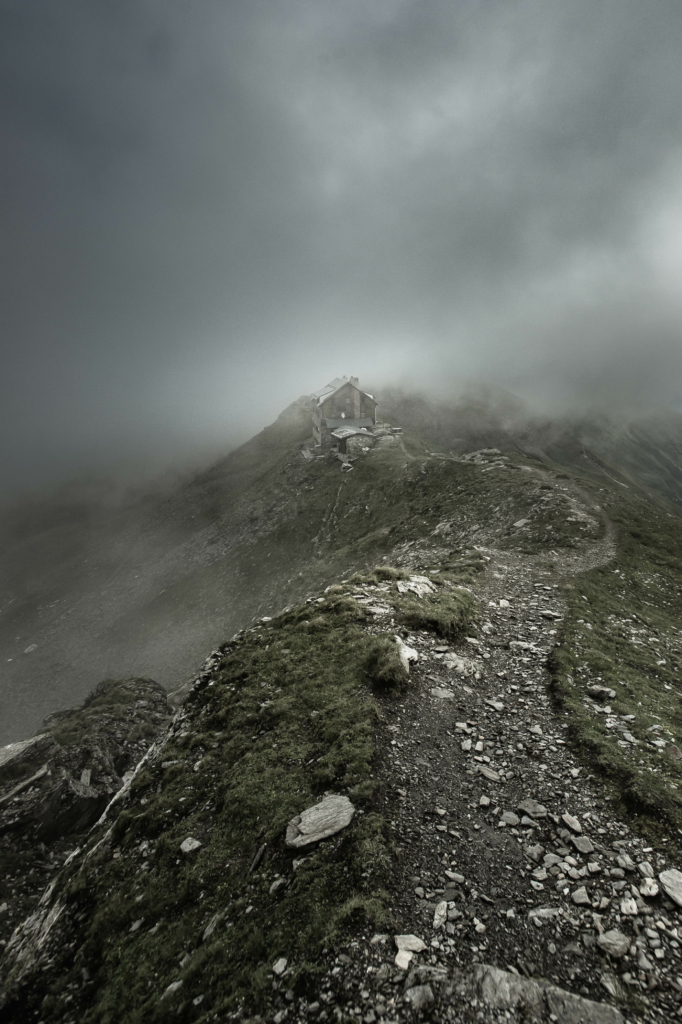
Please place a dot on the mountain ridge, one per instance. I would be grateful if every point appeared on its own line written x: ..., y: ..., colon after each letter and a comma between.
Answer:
x: 318, y: 698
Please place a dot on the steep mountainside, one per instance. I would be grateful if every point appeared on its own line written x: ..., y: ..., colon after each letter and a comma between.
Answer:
x: 90, y: 590
x: 482, y: 668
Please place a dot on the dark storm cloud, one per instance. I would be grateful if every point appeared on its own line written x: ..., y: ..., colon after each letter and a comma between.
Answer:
x: 211, y: 208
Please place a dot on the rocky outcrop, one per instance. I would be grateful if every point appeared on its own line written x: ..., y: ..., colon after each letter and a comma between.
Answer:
x: 54, y: 786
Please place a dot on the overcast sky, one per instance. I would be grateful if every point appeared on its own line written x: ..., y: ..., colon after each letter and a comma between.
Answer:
x: 210, y: 208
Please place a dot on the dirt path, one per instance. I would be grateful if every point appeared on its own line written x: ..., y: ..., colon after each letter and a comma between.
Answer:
x: 509, y: 855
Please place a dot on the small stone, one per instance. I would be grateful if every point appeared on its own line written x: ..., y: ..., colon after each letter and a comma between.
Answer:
x: 484, y: 801
x: 572, y: 822
x: 406, y: 654
x: 583, y: 844
x: 455, y: 876
x: 643, y: 963
x: 649, y: 888
x: 614, y: 942
x: 488, y: 773
x: 533, y: 809
x: 136, y: 925
x: 521, y: 522
x: 412, y: 943
x: 466, y: 745
x: 544, y: 913
x: 626, y: 862
x: 173, y: 987
x: 628, y: 906
x: 509, y: 818
x: 504, y: 603
x: 211, y: 926
x: 278, y: 884
x: 645, y: 869
x: 403, y: 958
x: 601, y: 692
x: 671, y: 881
x: 534, y: 852
x: 421, y: 996
x: 440, y: 915
x: 580, y: 896
x: 189, y: 845
x: 279, y: 966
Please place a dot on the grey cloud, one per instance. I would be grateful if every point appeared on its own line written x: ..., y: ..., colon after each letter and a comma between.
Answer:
x: 211, y: 208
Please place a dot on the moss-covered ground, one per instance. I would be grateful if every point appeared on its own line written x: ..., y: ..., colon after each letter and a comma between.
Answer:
x: 288, y: 715
x: 622, y: 631
x: 110, y: 704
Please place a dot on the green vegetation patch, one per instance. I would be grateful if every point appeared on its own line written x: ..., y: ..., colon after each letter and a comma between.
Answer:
x: 448, y: 612
x: 110, y: 701
x: 550, y: 516
x: 289, y: 716
x: 622, y: 631
x: 383, y: 664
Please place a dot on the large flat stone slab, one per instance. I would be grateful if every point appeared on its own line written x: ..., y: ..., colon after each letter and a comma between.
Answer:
x: 320, y: 821
x: 539, y: 1000
x: 16, y: 755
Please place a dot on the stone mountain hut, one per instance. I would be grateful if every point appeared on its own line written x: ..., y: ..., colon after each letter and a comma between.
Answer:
x: 342, y: 406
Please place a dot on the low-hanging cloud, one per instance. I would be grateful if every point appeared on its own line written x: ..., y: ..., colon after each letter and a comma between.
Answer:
x: 212, y: 208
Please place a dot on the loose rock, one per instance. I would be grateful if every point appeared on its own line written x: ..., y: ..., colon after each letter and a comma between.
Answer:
x: 189, y: 845
x: 671, y: 881
x: 614, y: 942
x: 320, y: 821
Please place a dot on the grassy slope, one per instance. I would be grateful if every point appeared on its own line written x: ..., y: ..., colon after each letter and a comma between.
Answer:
x: 289, y: 714
x: 285, y: 720
x: 637, y: 597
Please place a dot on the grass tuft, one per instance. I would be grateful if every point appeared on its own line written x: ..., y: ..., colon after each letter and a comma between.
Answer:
x: 448, y: 613
x: 383, y: 665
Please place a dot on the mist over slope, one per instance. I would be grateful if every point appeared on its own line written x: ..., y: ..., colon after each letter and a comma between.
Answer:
x: 645, y: 445
x: 144, y: 586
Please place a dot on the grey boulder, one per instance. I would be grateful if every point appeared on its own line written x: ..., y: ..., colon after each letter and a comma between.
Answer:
x: 320, y: 821
x: 539, y: 1000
